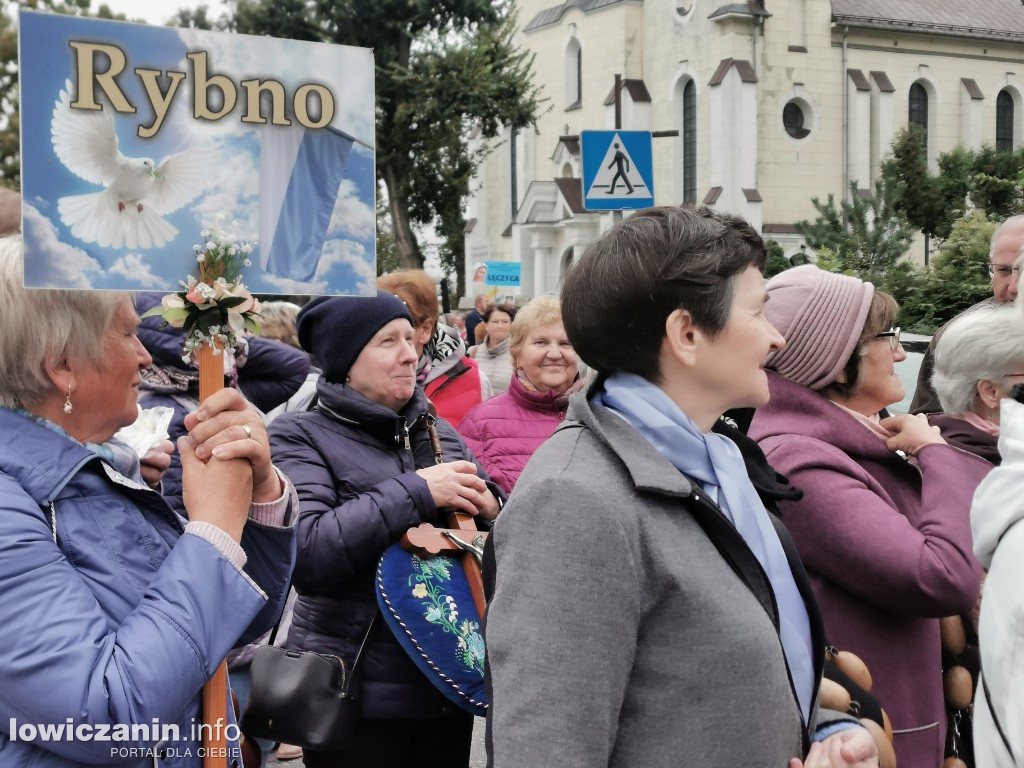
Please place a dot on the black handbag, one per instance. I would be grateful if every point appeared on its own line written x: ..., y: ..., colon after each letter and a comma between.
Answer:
x: 303, y: 698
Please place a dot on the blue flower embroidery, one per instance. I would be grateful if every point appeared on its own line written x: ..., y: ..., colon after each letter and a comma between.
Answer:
x: 429, y: 577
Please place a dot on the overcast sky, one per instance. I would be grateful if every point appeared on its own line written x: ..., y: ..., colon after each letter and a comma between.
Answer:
x: 158, y: 11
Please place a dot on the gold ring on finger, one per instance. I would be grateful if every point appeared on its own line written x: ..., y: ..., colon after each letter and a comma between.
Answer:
x: 247, y: 429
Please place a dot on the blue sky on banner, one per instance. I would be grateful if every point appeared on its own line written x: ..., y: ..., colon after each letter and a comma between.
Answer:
x: 229, y: 188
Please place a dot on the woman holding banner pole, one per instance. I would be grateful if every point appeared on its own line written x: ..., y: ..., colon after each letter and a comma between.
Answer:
x: 365, y: 470
x: 115, y: 610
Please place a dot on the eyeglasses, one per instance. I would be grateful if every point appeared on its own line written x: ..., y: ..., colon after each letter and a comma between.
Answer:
x: 893, y: 336
x: 1003, y: 270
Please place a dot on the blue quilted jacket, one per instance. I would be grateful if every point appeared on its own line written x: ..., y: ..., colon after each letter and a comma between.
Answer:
x: 121, y: 619
x: 359, y: 492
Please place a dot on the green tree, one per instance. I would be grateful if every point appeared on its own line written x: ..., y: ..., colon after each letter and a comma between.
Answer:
x: 996, y: 181
x: 388, y: 258
x: 906, y: 171
x: 10, y: 126
x: 777, y: 261
x: 442, y: 68
x: 873, y: 239
x: 957, y: 279
x: 931, y: 202
x: 199, y: 18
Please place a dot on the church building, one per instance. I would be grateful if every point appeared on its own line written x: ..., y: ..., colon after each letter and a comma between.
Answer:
x: 770, y: 103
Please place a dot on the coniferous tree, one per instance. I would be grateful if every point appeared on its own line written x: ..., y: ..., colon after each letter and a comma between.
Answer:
x: 873, y: 239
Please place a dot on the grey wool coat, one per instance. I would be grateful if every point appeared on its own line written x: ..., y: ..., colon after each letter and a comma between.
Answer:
x: 617, y: 634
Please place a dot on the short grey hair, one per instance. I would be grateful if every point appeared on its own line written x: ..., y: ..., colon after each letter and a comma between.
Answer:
x: 42, y: 326
x: 1010, y: 222
x: 985, y: 343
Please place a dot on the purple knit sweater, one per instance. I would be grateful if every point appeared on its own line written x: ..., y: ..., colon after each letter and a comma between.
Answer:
x: 887, y: 545
x: 503, y: 432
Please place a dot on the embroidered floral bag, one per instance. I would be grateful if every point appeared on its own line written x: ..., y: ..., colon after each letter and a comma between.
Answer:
x: 432, y: 603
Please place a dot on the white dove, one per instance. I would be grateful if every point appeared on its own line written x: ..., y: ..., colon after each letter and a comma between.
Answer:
x: 129, y: 212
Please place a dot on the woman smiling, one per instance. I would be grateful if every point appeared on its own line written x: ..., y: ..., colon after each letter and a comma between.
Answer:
x: 365, y: 472
x: 504, y: 431
x: 883, y: 526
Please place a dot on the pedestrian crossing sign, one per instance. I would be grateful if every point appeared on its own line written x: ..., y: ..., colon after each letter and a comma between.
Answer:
x: 618, y: 170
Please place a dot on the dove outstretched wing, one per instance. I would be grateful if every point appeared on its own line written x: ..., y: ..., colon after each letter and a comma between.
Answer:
x: 180, y: 177
x: 85, y: 140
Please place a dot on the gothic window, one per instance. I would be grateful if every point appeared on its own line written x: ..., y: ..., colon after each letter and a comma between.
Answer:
x: 918, y: 106
x: 573, y: 75
x: 1004, y: 121
x: 690, y: 143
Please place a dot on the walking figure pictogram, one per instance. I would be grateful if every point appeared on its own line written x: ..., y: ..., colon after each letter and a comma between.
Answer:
x: 617, y: 170
x: 621, y: 163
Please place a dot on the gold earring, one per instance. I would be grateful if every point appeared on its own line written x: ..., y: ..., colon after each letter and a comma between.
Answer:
x: 68, y: 407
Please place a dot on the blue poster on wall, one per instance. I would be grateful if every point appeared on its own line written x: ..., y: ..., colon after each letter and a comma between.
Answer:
x: 503, y: 274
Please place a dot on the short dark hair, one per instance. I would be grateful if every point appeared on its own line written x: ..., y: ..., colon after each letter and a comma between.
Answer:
x: 616, y: 300
x: 491, y: 308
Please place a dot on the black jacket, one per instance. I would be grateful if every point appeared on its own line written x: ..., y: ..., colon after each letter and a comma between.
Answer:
x: 353, y: 463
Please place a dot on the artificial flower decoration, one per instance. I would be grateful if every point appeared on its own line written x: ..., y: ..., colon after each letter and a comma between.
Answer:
x: 216, y: 308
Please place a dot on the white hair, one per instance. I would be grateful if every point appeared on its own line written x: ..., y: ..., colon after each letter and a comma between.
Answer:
x: 38, y: 327
x: 1008, y: 224
x: 984, y: 343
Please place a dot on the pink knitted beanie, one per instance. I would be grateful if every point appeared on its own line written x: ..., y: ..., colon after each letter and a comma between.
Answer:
x: 820, y: 315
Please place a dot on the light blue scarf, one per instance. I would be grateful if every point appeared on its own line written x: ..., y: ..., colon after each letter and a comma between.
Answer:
x: 115, y: 453
x: 715, y: 462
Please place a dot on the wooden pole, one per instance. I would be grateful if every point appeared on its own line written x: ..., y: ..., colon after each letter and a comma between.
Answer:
x: 474, y: 577
x: 215, y: 692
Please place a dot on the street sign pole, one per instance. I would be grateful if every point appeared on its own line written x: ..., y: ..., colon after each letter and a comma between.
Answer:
x: 617, y: 215
x: 618, y: 165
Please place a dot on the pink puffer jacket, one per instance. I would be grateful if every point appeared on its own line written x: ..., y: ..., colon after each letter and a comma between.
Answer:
x: 503, y: 432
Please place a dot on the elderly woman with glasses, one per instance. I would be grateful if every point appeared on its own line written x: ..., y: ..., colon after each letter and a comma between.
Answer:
x: 883, y: 526
x: 978, y: 360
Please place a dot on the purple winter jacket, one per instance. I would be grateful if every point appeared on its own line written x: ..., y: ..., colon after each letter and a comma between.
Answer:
x: 887, y: 545
x: 503, y: 432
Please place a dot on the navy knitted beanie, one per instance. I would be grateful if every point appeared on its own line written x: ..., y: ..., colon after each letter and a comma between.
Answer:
x: 334, y: 329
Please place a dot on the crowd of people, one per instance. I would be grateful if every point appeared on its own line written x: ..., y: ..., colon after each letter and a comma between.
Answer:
x: 695, y: 498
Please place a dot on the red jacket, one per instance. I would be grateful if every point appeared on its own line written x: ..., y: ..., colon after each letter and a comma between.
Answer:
x: 456, y: 391
x: 503, y: 432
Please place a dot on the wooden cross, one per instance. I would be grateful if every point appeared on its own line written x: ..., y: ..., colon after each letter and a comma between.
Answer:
x: 461, y: 536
